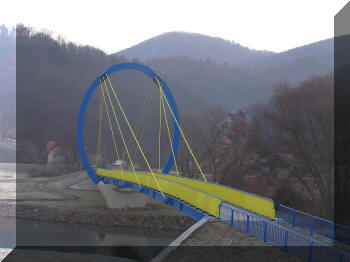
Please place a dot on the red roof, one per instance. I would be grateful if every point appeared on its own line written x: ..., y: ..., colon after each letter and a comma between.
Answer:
x: 50, y: 145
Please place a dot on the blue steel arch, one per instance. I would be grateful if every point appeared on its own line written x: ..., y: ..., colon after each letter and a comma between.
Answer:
x: 80, y: 127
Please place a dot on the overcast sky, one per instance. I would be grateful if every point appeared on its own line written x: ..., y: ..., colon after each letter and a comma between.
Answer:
x: 273, y: 25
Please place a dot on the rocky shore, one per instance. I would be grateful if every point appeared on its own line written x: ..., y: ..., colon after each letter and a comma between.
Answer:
x: 103, y: 216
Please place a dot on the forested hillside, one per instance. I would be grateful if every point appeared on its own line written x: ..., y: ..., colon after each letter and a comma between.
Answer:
x: 228, y: 86
x: 52, y: 77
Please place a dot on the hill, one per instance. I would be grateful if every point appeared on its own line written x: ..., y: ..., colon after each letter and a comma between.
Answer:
x: 294, y: 65
x: 317, y: 49
x: 195, y: 46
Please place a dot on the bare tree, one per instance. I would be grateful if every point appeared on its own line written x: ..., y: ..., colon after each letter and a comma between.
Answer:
x: 211, y: 131
x: 230, y: 147
x: 302, y: 122
x: 185, y: 162
x: 247, y: 152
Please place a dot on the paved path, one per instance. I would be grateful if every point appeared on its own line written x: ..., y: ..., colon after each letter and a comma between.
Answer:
x: 3, y: 253
x: 216, y: 241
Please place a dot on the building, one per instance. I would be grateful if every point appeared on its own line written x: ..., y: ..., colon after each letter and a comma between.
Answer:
x: 58, y: 153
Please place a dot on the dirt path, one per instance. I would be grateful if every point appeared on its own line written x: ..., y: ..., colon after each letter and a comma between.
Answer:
x: 56, y: 191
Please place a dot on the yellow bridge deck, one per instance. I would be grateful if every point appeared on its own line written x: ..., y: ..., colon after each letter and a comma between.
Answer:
x: 202, y: 195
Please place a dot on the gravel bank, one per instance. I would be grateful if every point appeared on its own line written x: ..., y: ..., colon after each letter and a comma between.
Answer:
x: 105, y: 217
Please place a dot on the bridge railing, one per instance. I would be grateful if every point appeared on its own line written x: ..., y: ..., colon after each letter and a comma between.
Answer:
x: 298, y: 244
x: 314, y: 225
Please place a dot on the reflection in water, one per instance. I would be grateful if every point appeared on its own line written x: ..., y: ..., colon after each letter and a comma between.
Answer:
x: 118, y: 242
x: 7, y: 195
x: 7, y: 236
x: 41, y: 233
x: 7, y: 232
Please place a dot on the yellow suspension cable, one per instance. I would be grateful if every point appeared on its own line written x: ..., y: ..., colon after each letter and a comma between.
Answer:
x: 120, y: 131
x: 139, y: 121
x: 132, y: 132
x: 110, y: 124
x: 141, y: 128
x: 167, y: 125
x: 142, y: 131
x: 183, y: 136
x: 99, y: 133
x: 160, y: 127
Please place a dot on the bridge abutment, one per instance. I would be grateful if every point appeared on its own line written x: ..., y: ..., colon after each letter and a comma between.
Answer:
x: 121, y: 197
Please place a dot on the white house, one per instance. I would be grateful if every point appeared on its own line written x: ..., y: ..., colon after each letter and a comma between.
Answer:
x: 55, y: 156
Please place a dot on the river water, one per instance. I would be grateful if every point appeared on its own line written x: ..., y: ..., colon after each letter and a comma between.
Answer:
x: 7, y: 194
x: 42, y: 233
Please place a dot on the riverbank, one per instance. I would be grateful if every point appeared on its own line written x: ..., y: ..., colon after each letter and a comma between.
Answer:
x: 140, y: 218
x: 73, y: 198
x: 132, y: 218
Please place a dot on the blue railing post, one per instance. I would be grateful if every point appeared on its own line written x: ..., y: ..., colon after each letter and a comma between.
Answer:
x: 311, y: 225
x: 265, y: 231
x: 333, y: 233
x: 285, y: 240
x: 310, y: 252
x: 293, y: 223
x: 247, y: 223
x: 278, y: 213
x: 232, y: 216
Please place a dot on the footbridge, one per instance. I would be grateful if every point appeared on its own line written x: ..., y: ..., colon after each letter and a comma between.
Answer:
x: 161, y: 178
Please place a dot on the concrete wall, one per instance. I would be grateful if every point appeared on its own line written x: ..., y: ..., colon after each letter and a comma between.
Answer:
x: 121, y: 197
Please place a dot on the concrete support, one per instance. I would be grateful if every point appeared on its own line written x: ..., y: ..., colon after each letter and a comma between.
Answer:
x: 121, y: 197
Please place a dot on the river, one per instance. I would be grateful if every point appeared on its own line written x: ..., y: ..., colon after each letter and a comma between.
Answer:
x: 43, y: 233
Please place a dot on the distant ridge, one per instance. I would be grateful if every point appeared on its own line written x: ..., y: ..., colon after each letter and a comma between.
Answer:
x: 317, y: 49
x: 195, y: 46
x: 294, y: 65
x: 297, y: 64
